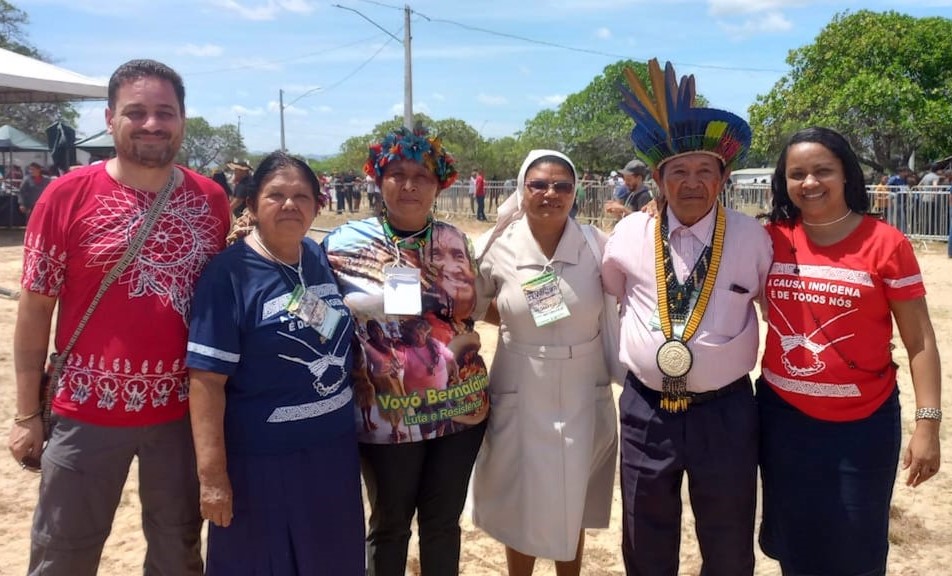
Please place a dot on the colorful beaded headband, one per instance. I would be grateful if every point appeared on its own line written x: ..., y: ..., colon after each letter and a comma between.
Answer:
x: 416, y: 145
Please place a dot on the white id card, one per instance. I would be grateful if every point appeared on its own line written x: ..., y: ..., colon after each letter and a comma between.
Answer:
x: 545, y: 299
x: 308, y: 306
x: 402, y: 293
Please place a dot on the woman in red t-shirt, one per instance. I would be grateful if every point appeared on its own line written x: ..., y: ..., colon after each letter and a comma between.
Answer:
x: 828, y: 396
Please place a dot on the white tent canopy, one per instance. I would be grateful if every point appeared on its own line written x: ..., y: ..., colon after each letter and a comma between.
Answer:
x: 25, y: 79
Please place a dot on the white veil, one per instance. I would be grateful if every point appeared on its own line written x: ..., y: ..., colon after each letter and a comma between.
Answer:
x: 511, y: 209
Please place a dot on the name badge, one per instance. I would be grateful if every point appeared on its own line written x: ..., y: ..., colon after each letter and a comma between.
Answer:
x: 402, y: 293
x: 545, y: 299
x: 314, y: 311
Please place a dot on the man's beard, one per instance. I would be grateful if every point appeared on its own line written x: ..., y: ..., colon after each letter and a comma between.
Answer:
x: 149, y: 154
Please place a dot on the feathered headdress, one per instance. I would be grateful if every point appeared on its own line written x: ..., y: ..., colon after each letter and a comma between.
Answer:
x: 669, y: 125
x: 416, y: 145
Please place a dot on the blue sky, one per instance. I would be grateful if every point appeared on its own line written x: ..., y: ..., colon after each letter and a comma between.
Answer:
x: 341, y: 75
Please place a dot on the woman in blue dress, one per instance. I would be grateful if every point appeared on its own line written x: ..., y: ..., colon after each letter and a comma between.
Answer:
x: 269, y: 358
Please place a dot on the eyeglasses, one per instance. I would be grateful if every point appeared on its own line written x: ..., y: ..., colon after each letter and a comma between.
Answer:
x: 539, y: 187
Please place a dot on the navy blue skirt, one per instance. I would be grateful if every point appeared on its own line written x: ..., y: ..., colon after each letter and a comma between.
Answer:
x: 827, y: 488
x: 297, y: 514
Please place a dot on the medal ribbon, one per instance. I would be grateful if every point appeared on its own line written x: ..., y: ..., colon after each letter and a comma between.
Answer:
x: 674, y: 396
x: 662, y: 253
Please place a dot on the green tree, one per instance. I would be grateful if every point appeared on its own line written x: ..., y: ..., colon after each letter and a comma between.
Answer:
x: 35, y: 117
x: 882, y: 79
x: 461, y: 139
x: 205, y: 145
x: 503, y: 157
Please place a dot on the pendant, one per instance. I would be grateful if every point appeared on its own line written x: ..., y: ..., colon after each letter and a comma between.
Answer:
x: 674, y: 358
x: 674, y: 394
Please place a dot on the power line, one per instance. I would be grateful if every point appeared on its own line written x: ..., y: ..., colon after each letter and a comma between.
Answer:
x: 577, y: 49
x: 383, y: 4
x: 284, y: 60
x: 361, y: 66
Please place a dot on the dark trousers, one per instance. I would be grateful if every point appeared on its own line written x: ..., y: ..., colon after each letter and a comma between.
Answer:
x: 715, y: 443
x: 430, y: 478
x: 481, y: 208
x: 341, y: 199
x: 827, y: 487
x: 949, y: 245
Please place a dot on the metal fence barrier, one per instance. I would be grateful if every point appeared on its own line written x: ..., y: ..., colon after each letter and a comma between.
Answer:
x: 921, y: 212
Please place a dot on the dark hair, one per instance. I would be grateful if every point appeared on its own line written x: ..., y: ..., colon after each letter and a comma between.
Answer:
x: 552, y: 160
x: 35, y: 165
x: 854, y: 188
x: 135, y: 69
x: 222, y: 181
x: 276, y: 161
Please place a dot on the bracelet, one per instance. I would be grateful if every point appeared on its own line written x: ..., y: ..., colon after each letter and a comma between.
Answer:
x: 19, y: 419
x: 929, y: 414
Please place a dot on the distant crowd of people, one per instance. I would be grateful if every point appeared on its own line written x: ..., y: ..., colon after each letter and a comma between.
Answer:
x: 916, y: 204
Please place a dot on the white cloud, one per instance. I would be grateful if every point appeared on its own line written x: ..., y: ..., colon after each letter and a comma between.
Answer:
x: 551, y: 101
x: 258, y: 64
x: 603, y: 33
x: 490, y: 100
x: 323, y: 109
x: 438, y: 97
x: 242, y: 111
x: 760, y: 24
x: 736, y: 7
x: 273, y: 106
x: 203, y: 51
x: 268, y: 10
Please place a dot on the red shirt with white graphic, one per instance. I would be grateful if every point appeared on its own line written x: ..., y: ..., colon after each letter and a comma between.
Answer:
x: 128, y: 366
x: 829, y: 335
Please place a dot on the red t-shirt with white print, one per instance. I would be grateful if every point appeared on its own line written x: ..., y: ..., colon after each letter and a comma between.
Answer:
x: 128, y: 366
x: 829, y: 324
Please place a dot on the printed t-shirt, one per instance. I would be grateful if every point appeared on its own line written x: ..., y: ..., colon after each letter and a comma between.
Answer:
x: 828, y: 307
x: 288, y: 387
x: 435, y: 381
x: 128, y: 366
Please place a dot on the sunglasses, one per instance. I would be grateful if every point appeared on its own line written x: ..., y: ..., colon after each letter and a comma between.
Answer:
x: 539, y: 187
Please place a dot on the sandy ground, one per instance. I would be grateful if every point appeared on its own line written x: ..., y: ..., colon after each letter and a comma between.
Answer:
x: 921, y: 532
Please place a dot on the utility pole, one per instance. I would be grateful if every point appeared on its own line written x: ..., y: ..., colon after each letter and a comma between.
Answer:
x: 239, y: 126
x: 407, y: 71
x: 407, y: 67
x: 281, y: 108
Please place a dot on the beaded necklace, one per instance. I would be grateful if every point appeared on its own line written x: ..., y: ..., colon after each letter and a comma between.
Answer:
x: 674, y: 356
x: 413, y: 241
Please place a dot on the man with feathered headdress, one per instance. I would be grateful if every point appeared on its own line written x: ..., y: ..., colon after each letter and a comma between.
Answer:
x: 687, y: 280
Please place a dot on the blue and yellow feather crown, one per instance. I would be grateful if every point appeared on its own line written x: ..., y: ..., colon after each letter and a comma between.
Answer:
x: 667, y: 124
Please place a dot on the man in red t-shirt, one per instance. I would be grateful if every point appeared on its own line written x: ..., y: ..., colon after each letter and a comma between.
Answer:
x: 123, y: 391
x: 480, y: 196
